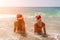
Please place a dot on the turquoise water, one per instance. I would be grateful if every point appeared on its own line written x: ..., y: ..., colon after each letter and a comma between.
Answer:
x: 48, y: 11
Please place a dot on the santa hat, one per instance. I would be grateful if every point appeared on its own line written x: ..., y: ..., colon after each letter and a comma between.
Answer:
x: 19, y: 15
x: 38, y: 17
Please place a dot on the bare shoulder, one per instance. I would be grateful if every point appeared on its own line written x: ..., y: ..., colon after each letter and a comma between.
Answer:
x: 15, y: 21
x: 35, y: 23
x: 43, y: 23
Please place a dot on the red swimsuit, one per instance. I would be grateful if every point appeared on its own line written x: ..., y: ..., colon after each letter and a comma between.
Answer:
x: 38, y: 27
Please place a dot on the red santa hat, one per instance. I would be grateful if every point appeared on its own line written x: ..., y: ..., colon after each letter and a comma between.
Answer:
x: 19, y: 15
x: 38, y: 17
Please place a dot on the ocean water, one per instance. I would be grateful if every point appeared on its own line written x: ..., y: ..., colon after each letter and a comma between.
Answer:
x: 45, y: 11
x: 50, y: 15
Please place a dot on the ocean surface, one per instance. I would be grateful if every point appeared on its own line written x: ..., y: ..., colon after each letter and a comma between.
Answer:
x: 50, y: 15
x: 47, y: 11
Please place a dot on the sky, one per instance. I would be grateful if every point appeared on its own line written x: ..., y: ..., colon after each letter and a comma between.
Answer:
x: 29, y: 3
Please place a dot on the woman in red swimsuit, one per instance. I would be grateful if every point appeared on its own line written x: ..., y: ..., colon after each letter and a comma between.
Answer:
x: 19, y: 24
x: 39, y: 25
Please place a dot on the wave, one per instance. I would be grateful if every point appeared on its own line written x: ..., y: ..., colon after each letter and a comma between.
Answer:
x: 6, y: 15
x: 30, y: 16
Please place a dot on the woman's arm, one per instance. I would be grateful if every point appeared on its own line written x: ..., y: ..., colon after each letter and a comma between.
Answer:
x: 44, y: 29
x: 15, y: 26
x: 35, y: 28
x: 23, y: 26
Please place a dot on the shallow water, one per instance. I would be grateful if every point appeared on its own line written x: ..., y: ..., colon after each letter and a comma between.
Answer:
x: 52, y: 27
